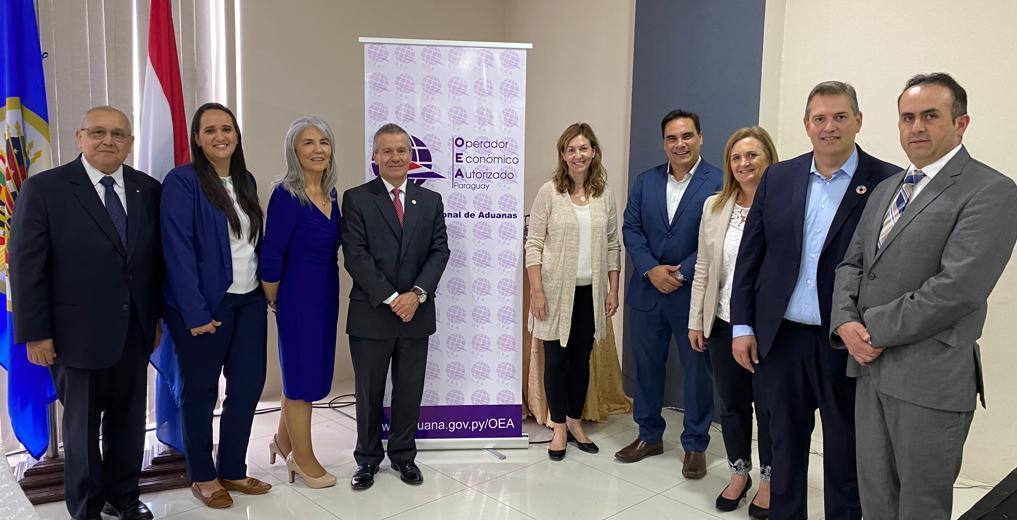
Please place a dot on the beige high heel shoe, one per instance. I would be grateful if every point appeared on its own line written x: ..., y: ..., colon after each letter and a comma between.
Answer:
x: 273, y: 450
x: 324, y: 481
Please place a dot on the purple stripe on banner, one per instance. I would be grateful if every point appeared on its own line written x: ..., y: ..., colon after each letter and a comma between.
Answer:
x: 467, y: 421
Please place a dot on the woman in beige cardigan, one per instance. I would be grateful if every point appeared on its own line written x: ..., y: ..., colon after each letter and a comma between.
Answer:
x: 572, y: 260
x: 747, y: 154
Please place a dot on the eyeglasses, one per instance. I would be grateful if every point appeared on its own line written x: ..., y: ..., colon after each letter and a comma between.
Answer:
x: 98, y: 133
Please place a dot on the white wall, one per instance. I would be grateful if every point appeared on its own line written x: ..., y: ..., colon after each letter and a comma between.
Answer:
x: 876, y: 46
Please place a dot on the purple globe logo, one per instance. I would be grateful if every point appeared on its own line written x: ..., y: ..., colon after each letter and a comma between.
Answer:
x: 377, y: 83
x: 456, y: 230
x: 506, y: 315
x: 485, y: 59
x: 506, y: 372
x: 431, y: 85
x: 430, y: 56
x: 481, y: 343
x: 457, y: 202
x: 434, y: 143
x: 484, y: 117
x: 456, y: 286
x: 511, y: 146
x: 455, y: 371
x: 482, y: 287
x: 483, y: 87
x: 509, y: 118
x: 431, y: 114
x: 507, y: 202
x: 377, y: 112
x: 480, y: 371
x: 480, y: 397
x: 404, y: 84
x: 456, y: 57
x: 430, y: 398
x: 481, y: 315
x: 457, y: 259
x: 508, y: 260
x: 507, y: 343
x: 507, y: 231
x: 456, y: 343
x: 507, y: 287
x: 420, y: 164
x: 482, y: 258
x: 433, y: 370
x: 506, y: 397
x: 510, y: 60
x: 509, y: 89
x: 404, y: 54
x: 405, y: 113
x: 482, y: 231
x: 377, y: 53
x: 433, y: 343
x: 458, y: 116
x: 455, y: 397
x: 482, y: 202
x: 457, y: 86
x: 456, y: 314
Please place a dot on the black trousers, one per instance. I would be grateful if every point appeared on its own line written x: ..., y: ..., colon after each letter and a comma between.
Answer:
x: 110, y: 400
x: 801, y: 373
x: 371, y: 360
x: 238, y: 351
x: 567, y: 369
x: 738, y: 390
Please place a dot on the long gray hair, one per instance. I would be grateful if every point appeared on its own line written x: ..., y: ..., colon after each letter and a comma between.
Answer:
x: 293, y: 179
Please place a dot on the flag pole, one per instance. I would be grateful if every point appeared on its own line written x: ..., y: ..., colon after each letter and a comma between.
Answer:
x: 52, y: 449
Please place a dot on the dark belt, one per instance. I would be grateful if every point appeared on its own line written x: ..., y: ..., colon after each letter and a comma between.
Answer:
x: 801, y: 326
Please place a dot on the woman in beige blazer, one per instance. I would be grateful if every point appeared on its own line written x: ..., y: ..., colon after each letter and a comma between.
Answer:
x: 572, y: 260
x: 747, y: 154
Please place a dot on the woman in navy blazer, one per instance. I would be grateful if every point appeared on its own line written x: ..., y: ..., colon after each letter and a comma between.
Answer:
x: 215, y: 308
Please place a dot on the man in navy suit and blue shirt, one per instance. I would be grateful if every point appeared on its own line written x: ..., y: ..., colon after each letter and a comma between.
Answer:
x: 800, y: 225
x: 661, y: 233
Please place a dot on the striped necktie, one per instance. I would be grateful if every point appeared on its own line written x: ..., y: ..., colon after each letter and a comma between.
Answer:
x: 900, y: 202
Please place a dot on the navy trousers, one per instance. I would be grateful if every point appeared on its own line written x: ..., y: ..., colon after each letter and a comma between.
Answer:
x: 801, y: 373
x: 651, y: 344
x: 237, y: 350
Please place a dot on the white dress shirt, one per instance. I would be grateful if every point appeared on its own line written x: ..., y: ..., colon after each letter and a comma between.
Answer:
x: 402, y: 199
x: 95, y: 176
x: 245, y: 259
x: 930, y: 171
x: 676, y: 189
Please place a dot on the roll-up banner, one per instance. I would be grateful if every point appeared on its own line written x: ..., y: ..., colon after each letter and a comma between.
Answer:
x: 463, y: 104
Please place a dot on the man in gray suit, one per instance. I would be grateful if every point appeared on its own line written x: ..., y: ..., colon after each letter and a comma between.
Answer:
x: 910, y: 301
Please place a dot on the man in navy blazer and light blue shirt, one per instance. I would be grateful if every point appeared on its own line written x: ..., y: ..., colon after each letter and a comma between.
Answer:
x: 661, y: 233
x: 797, y: 231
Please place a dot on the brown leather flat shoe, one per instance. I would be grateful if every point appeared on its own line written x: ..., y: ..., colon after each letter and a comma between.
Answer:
x: 251, y: 486
x: 219, y: 499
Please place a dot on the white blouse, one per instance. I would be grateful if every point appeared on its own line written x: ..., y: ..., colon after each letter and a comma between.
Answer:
x: 732, y: 240
x: 584, y: 272
x: 245, y: 259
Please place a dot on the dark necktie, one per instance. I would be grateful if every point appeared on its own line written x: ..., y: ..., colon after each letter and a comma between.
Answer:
x: 115, y: 209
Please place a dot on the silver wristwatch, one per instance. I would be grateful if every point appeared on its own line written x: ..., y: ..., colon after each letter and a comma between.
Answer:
x: 421, y: 294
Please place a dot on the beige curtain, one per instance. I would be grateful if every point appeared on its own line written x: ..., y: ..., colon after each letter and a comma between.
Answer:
x: 96, y: 52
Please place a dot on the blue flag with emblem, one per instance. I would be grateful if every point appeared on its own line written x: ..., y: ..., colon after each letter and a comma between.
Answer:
x: 25, y: 149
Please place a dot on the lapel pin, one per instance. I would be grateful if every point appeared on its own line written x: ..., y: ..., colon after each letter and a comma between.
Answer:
x: 861, y: 190
x: 413, y: 201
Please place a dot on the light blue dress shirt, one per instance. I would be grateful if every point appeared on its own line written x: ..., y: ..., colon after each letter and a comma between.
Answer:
x: 823, y: 200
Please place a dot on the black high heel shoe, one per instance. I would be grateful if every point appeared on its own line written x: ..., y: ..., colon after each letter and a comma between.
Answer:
x: 730, y: 504
x: 758, y: 513
x: 588, y: 447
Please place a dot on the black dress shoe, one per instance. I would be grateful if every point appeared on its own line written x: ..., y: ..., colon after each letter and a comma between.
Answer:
x: 588, y: 447
x: 556, y: 455
x: 409, y: 472
x: 363, y: 477
x: 729, y: 504
x: 136, y: 511
x: 758, y: 513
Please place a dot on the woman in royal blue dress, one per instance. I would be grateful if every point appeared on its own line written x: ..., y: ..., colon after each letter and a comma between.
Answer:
x: 300, y: 275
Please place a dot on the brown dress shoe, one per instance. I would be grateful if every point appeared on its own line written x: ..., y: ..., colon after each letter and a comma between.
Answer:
x: 219, y: 499
x: 250, y: 486
x: 638, y: 450
x: 694, y: 466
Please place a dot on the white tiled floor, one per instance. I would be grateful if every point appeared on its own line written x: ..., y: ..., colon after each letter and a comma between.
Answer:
x: 477, y: 485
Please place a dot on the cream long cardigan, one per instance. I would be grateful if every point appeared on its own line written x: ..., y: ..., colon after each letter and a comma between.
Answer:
x: 553, y: 244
